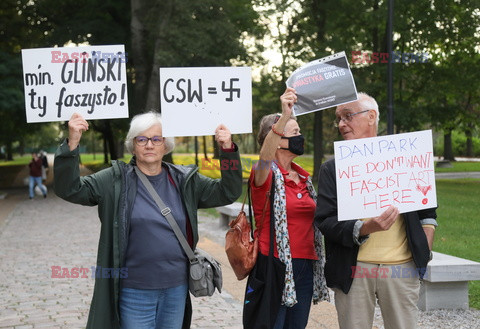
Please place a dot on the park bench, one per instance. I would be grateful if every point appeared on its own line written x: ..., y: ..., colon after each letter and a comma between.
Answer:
x: 445, y: 284
x: 230, y: 212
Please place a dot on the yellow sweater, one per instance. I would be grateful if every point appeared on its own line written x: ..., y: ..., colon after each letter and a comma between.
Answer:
x: 387, y: 247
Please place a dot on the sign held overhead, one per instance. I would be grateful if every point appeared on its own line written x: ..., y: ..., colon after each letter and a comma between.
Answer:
x: 195, y: 100
x: 323, y: 83
x: 90, y: 80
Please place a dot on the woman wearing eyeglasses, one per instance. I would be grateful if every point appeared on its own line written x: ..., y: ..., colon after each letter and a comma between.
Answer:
x: 145, y: 285
x: 297, y: 242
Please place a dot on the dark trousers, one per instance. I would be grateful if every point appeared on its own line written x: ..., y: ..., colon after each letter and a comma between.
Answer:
x: 296, y: 317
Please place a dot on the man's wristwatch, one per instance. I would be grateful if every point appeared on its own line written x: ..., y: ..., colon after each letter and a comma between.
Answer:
x: 431, y: 256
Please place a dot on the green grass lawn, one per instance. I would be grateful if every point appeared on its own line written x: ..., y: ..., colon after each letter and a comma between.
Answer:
x: 459, y: 224
x: 461, y: 167
x: 18, y: 160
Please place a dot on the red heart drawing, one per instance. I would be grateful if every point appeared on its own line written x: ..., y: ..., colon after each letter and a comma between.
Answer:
x: 424, y: 189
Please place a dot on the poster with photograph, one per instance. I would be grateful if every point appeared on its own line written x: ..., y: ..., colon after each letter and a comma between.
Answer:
x: 323, y: 83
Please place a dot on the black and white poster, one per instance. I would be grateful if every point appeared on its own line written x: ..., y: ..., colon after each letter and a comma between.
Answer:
x: 323, y: 83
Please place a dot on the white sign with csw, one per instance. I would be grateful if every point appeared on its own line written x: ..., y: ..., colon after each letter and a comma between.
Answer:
x: 195, y: 100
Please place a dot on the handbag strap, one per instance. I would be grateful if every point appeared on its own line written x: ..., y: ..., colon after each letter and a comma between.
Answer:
x: 272, y: 217
x: 167, y: 213
x: 250, y: 212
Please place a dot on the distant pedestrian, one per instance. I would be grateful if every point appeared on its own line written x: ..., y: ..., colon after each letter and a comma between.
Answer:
x: 36, y: 176
x: 43, y: 156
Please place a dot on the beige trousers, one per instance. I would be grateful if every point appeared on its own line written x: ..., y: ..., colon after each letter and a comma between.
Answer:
x: 396, y: 287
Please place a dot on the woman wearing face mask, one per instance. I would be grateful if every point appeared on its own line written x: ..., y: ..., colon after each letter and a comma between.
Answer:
x: 297, y: 241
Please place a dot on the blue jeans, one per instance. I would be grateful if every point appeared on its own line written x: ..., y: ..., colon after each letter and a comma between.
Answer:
x: 35, y: 181
x: 152, y: 308
x: 296, y: 317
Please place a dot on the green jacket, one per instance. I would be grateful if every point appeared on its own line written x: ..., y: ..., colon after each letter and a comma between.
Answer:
x: 113, y: 190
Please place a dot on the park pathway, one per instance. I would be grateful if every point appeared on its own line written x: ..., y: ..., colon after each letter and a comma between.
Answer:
x: 40, y: 234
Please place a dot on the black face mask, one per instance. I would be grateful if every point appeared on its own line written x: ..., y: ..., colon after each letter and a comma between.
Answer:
x: 295, y: 144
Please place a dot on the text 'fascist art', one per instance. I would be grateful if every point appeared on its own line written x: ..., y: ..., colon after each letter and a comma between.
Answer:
x: 374, y: 173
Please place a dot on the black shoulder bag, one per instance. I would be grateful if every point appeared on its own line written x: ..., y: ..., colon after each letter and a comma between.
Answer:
x: 264, y: 290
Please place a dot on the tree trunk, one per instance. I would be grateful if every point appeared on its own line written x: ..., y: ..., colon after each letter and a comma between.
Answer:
x: 9, y: 151
x: 469, y: 134
x: 141, y: 63
x: 318, y: 151
x: 153, y: 95
x: 120, y: 149
x: 320, y: 20
x: 105, y: 148
x: 204, y: 141
x: 112, y: 146
x: 196, y: 150
x: 216, y: 150
x: 447, y: 146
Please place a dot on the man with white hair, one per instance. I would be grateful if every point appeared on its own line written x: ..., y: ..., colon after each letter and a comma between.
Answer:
x: 381, y: 258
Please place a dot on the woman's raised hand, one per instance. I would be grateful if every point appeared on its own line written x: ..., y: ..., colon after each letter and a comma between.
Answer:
x: 223, y: 136
x: 76, y: 126
x: 288, y: 98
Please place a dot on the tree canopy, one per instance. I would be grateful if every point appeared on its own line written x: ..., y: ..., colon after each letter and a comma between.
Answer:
x: 442, y: 93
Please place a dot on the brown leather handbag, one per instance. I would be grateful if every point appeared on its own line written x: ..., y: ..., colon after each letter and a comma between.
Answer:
x: 240, y: 245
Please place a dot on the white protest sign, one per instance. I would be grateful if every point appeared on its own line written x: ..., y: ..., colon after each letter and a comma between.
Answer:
x: 374, y: 173
x: 323, y: 83
x: 89, y: 80
x: 195, y: 100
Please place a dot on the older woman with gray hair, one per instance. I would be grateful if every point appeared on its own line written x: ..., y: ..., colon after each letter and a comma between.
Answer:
x: 141, y: 274
x: 297, y: 243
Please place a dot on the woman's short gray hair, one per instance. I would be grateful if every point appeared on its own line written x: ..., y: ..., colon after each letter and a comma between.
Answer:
x: 142, y: 122
x: 266, y: 125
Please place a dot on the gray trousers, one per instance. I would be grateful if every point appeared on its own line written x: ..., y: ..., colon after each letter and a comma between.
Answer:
x: 395, y: 287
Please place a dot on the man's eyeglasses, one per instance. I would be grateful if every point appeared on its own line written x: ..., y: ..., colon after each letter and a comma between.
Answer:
x: 142, y: 140
x: 346, y: 118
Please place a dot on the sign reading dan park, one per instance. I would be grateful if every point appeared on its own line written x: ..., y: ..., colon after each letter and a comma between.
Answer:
x: 89, y: 80
x: 374, y: 173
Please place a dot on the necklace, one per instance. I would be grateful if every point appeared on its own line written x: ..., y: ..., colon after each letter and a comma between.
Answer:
x: 292, y: 175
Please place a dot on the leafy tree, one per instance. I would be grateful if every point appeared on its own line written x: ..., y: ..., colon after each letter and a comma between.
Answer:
x: 17, y: 31
x: 440, y: 91
x: 178, y: 33
x: 96, y: 23
x: 12, y: 109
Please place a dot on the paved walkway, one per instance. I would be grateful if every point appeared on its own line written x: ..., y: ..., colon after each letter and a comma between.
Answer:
x: 42, y: 233
x: 36, y: 235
